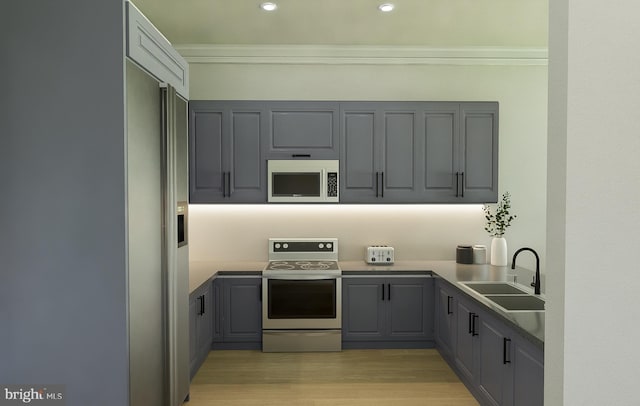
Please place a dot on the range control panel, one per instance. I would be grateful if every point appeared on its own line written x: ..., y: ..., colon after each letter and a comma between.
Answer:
x: 303, y: 246
x: 297, y: 249
x: 379, y: 255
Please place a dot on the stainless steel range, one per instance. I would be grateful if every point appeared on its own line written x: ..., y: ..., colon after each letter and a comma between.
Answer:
x: 302, y: 291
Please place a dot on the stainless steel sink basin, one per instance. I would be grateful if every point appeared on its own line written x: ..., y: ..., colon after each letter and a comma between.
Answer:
x: 517, y: 302
x: 495, y: 288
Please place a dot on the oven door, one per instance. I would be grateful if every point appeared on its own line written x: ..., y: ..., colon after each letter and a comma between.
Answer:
x: 302, y: 302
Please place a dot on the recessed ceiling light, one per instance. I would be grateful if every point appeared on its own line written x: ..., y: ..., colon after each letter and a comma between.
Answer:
x: 268, y: 6
x: 386, y: 7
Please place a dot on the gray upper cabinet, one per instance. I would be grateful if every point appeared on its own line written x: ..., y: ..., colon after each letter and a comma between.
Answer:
x: 226, y: 164
x: 302, y: 130
x: 359, y: 166
x: 479, y: 152
x: 460, y: 152
x: 380, y: 159
x: 390, y: 152
x: 441, y: 152
x: 419, y: 152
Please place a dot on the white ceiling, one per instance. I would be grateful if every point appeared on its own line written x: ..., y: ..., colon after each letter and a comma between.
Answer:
x: 428, y: 23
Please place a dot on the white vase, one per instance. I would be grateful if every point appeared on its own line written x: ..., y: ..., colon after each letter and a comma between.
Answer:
x: 499, y: 251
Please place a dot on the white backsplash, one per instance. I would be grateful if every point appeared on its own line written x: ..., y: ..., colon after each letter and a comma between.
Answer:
x: 240, y: 232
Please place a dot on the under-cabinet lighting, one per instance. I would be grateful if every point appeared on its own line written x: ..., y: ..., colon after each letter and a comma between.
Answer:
x: 386, y: 7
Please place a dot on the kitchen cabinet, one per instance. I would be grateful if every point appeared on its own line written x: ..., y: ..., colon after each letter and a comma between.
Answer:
x: 302, y: 130
x: 460, y: 152
x: 200, y: 325
x: 478, y: 169
x: 238, y: 320
x: 494, y: 373
x: 498, y: 365
x: 231, y: 141
x: 390, y: 152
x: 466, y: 349
x: 445, y: 319
x: 225, y: 150
x: 151, y: 51
x: 528, y: 373
x: 380, y: 154
x: 420, y: 152
x: 387, y: 312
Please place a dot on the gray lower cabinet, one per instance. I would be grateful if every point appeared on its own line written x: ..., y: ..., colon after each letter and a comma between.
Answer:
x: 238, y: 318
x: 528, y: 373
x: 225, y: 152
x: 445, y: 320
x: 200, y: 325
x: 498, y: 365
x: 393, y: 312
x: 494, y: 372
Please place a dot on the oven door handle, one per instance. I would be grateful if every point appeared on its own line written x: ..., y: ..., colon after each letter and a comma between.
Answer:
x: 302, y: 277
x: 312, y: 333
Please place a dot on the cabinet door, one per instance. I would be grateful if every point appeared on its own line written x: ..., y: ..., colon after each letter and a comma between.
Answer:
x: 441, y: 153
x: 225, y: 144
x: 363, y: 310
x: 528, y: 374
x: 246, y: 179
x: 400, y: 154
x: 465, y: 339
x: 151, y: 50
x: 359, y: 171
x: 242, y: 310
x: 207, y: 169
x: 217, y: 326
x: 302, y: 129
x: 445, y: 319
x: 494, y: 375
x: 479, y: 143
x: 380, y: 152
x: 194, y: 310
x: 204, y: 322
x: 410, y: 309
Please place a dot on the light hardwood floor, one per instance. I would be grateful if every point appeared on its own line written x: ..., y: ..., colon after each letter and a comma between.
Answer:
x: 351, y: 377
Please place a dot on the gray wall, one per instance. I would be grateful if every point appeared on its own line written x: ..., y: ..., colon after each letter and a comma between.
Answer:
x: 63, y: 285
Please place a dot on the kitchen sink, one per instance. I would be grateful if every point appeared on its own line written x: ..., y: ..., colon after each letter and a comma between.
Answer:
x: 495, y: 288
x: 517, y: 302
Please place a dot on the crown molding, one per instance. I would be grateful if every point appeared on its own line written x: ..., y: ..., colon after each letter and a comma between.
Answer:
x: 360, y: 55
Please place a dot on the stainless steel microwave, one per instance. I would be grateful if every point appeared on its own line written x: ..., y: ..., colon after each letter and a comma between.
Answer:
x: 303, y: 181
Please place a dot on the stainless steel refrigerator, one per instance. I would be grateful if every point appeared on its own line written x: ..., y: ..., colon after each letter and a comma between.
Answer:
x: 158, y: 280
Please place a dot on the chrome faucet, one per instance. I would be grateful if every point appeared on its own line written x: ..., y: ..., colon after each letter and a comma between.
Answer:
x: 536, y: 280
